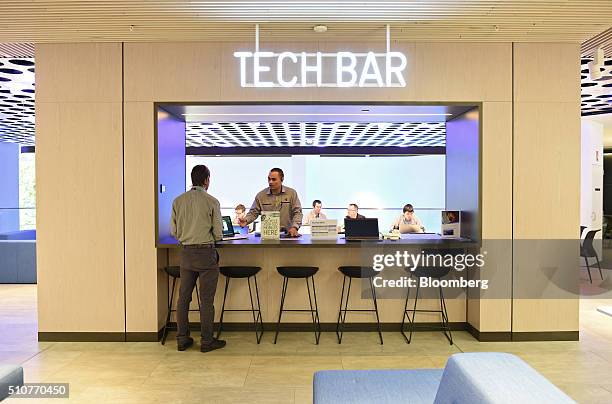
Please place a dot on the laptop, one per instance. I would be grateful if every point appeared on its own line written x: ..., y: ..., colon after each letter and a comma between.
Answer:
x: 361, y: 229
x: 228, y: 230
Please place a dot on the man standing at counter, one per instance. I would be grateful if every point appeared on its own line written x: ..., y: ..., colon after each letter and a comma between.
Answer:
x: 277, y: 198
x: 196, y: 224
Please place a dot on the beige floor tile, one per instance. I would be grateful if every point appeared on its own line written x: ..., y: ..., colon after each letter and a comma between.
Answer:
x: 245, y: 371
x: 303, y: 395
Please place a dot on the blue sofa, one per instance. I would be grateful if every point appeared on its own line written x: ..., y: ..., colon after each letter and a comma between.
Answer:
x: 10, y: 375
x: 483, y: 377
x: 17, y: 261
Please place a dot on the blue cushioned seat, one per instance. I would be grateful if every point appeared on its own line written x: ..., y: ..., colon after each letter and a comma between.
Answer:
x: 10, y: 375
x: 495, y: 377
x: 480, y: 377
x: 376, y: 386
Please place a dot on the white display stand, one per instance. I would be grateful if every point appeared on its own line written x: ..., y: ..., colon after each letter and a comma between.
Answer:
x: 323, y: 229
x: 270, y: 225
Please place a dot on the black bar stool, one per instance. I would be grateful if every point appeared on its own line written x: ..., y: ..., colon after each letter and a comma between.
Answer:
x: 243, y: 272
x: 351, y: 272
x: 300, y: 273
x: 175, y: 273
x: 433, y: 273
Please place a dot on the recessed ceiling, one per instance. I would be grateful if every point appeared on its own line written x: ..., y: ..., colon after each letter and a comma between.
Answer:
x: 314, y: 112
x: 315, y: 134
x: 596, y: 95
x: 289, y: 20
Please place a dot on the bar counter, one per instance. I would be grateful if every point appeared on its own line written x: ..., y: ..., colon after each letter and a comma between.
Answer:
x: 327, y: 256
x: 305, y: 240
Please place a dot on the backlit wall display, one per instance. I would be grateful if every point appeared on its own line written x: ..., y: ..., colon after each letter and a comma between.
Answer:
x: 319, y: 69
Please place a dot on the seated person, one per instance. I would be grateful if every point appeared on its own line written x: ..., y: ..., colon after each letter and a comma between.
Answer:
x: 408, y: 222
x: 352, y: 212
x: 315, y: 213
x: 240, y: 213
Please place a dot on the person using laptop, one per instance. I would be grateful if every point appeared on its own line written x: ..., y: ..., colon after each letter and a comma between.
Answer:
x: 408, y: 222
x: 315, y: 213
x: 352, y: 212
x: 196, y: 224
x: 240, y: 213
x: 277, y: 198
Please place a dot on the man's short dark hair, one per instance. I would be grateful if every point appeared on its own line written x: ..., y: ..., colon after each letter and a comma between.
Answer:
x: 314, y: 203
x: 240, y: 207
x: 279, y: 171
x: 355, y: 205
x: 408, y: 208
x: 199, y: 174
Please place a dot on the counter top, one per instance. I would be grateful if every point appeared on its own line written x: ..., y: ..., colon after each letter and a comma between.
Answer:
x: 427, y: 239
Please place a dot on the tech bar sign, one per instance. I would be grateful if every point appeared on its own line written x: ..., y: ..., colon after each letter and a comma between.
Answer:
x: 338, y: 69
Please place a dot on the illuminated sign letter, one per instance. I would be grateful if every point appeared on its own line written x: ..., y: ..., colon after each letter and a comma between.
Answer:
x: 350, y: 69
x: 296, y: 69
x: 257, y: 68
x: 397, y: 70
x: 316, y: 69
x: 370, y: 62
x: 279, y: 69
x: 242, y: 56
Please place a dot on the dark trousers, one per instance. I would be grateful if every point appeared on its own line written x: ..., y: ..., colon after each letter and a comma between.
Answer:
x: 202, y: 263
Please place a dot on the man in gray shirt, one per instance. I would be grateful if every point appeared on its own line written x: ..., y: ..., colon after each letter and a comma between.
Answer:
x: 277, y: 198
x: 196, y: 224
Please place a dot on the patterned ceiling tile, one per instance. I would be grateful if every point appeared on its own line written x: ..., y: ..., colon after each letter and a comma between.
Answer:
x: 596, y: 95
x: 314, y: 134
x: 17, y: 100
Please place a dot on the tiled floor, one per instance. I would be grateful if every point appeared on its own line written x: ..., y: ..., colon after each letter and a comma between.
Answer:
x: 267, y: 373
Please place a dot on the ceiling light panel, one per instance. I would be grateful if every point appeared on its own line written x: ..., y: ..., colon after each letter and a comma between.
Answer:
x: 315, y: 134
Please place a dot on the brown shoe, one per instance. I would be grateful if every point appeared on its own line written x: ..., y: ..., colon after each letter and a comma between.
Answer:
x: 216, y: 344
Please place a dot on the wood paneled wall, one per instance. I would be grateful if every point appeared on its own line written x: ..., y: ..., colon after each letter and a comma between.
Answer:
x: 81, y: 244
x: 79, y: 181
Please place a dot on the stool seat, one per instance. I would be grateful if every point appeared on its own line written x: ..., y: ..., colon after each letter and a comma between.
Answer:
x: 430, y: 272
x: 357, y: 272
x: 173, y: 271
x: 410, y: 313
x: 306, y: 273
x: 242, y: 272
x: 297, y: 271
x: 239, y: 271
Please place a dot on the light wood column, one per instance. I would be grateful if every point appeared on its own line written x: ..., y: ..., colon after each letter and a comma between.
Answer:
x: 79, y: 178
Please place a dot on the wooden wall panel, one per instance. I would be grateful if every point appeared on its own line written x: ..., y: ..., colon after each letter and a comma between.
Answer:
x: 546, y: 184
x: 140, y: 253
x: 463, y: 71
x: 78, y: 108
x: 79, y: 218
x: 546, y: 72
x: 78, y: 72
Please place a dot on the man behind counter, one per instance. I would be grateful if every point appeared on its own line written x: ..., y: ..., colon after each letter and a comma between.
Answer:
x: 279, y: 198
x: 352, y: 212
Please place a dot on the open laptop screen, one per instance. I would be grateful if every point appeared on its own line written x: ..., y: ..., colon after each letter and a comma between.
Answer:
x: 228, y: 227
